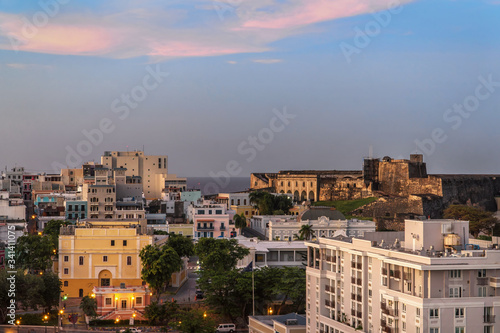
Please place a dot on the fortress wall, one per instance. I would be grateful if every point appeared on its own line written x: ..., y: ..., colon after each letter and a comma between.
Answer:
x: 477, y: 190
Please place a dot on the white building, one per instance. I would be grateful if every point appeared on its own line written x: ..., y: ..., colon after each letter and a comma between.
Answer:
x: 272, y: 253
x: 322, y: 227
x: 417, y: 281
x: 260, y: 223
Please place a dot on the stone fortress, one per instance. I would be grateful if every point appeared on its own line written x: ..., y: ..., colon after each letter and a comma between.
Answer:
x: 402, y: 187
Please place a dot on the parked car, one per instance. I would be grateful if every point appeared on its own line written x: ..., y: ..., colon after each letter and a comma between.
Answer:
x: 131, y: 329
x: 199, y: 294
x: 226, y: 328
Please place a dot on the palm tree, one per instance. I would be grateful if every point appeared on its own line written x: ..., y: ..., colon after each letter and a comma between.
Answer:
x: 89, y: 306
x: 306, y: 232
x: 240, y: 221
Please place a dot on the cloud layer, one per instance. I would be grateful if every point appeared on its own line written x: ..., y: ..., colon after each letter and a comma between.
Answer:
x: 128, y: 30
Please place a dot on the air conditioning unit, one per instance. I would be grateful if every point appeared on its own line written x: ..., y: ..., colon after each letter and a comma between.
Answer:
x: 289, y: 322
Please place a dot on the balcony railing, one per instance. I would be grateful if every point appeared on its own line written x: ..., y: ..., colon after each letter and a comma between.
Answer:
x: 205, y: 227
x: 359, y: 314
x: 353, y: 280
x: 353, y: 265
x: 329, y: 304
x: 397, y: 274
x: 482, y: 281
x: 222, y: 227
x: 353, y: 312
x: 353, y: 297
x: 358, y: 298
x: 489, y: 319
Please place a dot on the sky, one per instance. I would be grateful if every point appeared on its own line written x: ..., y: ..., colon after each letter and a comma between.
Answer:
x: 240, y: 86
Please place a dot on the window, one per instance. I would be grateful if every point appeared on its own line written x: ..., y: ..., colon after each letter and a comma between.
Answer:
x: 105, y: 282
x: 404, y: 326
x: 105, y: 258
x: 460, y: 329
x: 434, y: 330
x: 112, y: 243
x: 138, y: 300
x: 70, y: 208
x: 108, y: 300
x: 455, y: 274
x: 481, y: 292
x: 201, y: 211
x: 66, y: 271
x: 66, y: 258
x: 488, y: 329
x: 417, y: 329
x: 459, y: 312
x: 124, y: 243
x: 433, y: 313
x: 129, y: 260
x: 418, y: 313
x: 403, y: 307
x: 218, y: 211
x: 408, y: 287
x: 80, y: 260
x: 65, y: 283
x: 456, y: 292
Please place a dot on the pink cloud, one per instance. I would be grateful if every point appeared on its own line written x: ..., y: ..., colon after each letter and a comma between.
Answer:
x: 314, y: 11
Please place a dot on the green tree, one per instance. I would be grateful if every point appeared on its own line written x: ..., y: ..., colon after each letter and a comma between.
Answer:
x: 269, y: 204
x: 89, y: 306
x: 479, y: 220
x: 51, y: 290
x: 181, y: 244
x: 306, y: 232
x: 195, y: 321
x: 240, y: 221
x: 34, y: 253
x: 161, y: 314
x: 219, y: 254
x: 292, y: 286
x: 158, y: 265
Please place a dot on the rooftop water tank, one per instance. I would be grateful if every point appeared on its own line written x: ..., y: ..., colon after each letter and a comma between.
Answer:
x: 452, y: 240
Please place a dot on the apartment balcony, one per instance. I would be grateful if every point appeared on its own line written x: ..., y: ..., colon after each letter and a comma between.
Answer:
x: 358, y: 282
x: 384, y: 271
x: 207, y: 227
x: 489, y: 319
x: 353, y: 297
x: 397, y: 274
x: 495, y: 282
x: 353, y: 265
x: 330, y: 289
x: 331, y: 259
x: 329, y: 304
x: 359, y: 265
x: 353, y: 312
x: 483, y: 281
x: 383, y: 324
x: 406, y: 276
x: 222, y: 228
x: 353, y: 280
x: 359, y: 298
x: 359, y: 314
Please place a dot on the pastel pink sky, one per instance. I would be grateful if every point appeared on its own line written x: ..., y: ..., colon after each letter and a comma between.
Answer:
x: 128, y: 34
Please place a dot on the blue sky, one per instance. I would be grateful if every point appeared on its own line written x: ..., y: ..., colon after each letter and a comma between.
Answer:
x: 231, y: 63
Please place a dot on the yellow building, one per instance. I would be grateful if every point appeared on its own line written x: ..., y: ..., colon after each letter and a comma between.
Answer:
x: 94, y: 255
x: 185, y: 229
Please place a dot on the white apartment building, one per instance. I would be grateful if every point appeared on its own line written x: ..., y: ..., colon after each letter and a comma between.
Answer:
x: 322, y: 227
x: 423, y: 282
x: 272, y: 253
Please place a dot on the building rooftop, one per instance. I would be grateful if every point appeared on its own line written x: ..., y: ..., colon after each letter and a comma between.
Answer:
x: 269, y: 320
x: 316, y: 212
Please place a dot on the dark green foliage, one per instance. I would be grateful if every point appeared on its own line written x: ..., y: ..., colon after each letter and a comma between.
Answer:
x: 161, y: 314
x: 158, y: 265
x: 268, y: 204
x: 34, y: 253
x: 219, y: 254
x: 479, y: 220
x: 193, y: 321
x: 89, y: 306
x: 181, y: 244
x: 240, y: 221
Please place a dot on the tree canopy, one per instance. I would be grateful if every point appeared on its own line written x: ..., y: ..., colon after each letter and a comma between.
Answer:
x: 195, y: 321
x: 219, y: 254
x: 34, y: 252
x: 479, y: 220
x: 89, y: 306
x: 181, y: 244
x: 306, y: 232
x: 269, y: 204
x: 158, y: 265
x: 240, y: 221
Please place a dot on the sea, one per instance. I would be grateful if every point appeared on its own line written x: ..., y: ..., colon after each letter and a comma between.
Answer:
x: 209, y: 185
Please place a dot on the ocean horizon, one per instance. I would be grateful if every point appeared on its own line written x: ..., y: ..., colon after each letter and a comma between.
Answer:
x: 209, y: 185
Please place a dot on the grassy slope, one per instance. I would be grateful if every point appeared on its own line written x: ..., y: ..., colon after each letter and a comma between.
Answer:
x: 346, y: 206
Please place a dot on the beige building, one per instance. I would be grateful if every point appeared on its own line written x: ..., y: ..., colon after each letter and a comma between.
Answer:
x: 289, y: 323
x: 151, y: 168
x: 417, y: 281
